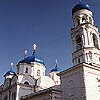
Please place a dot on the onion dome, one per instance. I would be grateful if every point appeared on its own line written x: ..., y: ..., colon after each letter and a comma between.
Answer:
x: 80, y: 6
x: 11, y: 72
x: 54, y: 70
x: 56, y: 67
x: 33, y: 58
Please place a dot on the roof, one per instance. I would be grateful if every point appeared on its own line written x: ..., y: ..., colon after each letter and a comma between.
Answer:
x: 32, y: 58
x: 71, y: 69
x: 54, y: 70
x: 80, y: 6
x: 48, y: 90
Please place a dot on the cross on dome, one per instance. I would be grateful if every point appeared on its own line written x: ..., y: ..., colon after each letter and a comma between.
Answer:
x: 56, y: 63
x: 11, y: 65
x: 34, y: 48
x: 25, y: 52
x: 33, y: 58
x: 56, y: 67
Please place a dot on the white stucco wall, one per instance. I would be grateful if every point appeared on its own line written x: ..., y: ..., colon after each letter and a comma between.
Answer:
x: 72, y: 84
x: 91, y: 79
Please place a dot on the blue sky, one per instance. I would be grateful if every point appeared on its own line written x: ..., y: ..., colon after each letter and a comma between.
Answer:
x: 44, y: 22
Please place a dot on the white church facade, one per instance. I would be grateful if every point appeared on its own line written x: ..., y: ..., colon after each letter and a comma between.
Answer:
x: 29, y: 78
x: 80, y: 82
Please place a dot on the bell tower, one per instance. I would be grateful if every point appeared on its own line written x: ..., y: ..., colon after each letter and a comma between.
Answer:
x: 85, y: 36
x: 82, y: 81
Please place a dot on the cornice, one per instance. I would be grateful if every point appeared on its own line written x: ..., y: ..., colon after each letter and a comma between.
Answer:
x: 92, y: 66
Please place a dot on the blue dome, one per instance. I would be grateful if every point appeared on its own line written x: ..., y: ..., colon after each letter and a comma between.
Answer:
x: 10, y: 73
x: 54, y: 70
x: 33, y: 58
x: 80, y: 6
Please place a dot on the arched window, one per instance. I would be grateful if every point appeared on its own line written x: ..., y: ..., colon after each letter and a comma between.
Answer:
x: 90, y: 20
x: 79, y: 60
x: 99, y: 59
x: 14, y: 96
x: 90, y: 55
x: 38, y: 72
x: 83, y: 20
x: 95, y: 41
x: 26, y: 83
x: 78, y: 42
x: 26, y: 70
x: 78, y: 21
x: 18, y: 69
x: 6, y: 97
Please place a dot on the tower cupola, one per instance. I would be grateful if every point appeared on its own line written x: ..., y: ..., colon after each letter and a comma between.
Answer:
x: 32, y: 65
x: 85, y: 36
x: 33, y: 58
x: 80, y: 6
x: 53, y: 74
x: 56, y: 67
x: 82, y: 14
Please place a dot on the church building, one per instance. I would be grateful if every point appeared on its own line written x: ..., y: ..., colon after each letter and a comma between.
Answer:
x: 80, y: 82
x: 29, y: 78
